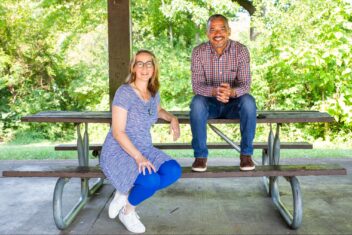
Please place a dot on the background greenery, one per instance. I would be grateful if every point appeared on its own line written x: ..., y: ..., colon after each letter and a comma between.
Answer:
x: 53, y: 56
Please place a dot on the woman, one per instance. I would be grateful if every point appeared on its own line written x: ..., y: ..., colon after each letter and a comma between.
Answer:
x: 128, y: 159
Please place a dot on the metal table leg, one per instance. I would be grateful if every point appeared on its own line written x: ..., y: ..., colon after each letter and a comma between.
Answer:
x: 62, y: 221
x: 272, y: 183
x: 272, y: 157
x: 224, y: 137
x: 228, y: 140
x: 267, y: 159
x: 295, y: 220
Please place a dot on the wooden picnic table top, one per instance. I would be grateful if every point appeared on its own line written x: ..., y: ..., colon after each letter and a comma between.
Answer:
x: 183, y: 117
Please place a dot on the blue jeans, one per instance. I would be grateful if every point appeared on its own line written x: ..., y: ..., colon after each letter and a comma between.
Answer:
x: 204, y: 108
x: 146, y: 185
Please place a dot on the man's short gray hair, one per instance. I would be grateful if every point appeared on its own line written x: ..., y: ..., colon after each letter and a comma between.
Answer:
x: 218, y: 16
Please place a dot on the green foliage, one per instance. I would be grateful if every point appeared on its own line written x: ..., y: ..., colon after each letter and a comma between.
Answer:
x: 43, y: 64
x: 303, y: 57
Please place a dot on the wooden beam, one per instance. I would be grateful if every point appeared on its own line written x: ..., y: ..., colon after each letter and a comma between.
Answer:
x: 119, y: 41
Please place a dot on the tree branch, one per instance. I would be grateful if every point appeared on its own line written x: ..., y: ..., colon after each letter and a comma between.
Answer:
x: 248, y: 5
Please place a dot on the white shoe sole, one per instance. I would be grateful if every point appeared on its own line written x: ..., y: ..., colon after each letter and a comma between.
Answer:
x: 199, y: 169
x: 249, y: 168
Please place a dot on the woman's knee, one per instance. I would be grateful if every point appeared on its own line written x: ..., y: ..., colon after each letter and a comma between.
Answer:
x: 150, y: 181
x: 171, y: 168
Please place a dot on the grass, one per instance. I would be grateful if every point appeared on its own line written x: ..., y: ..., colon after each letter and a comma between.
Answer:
x: 33, y: 151
x: 46, y: 151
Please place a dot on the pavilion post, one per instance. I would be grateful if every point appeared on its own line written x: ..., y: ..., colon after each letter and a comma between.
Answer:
x: 119, y: 43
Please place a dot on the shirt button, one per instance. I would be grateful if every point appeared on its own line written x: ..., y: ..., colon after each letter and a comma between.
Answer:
x: 220, y: 72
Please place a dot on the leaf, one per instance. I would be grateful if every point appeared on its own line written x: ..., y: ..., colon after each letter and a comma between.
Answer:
x: 346, y: 71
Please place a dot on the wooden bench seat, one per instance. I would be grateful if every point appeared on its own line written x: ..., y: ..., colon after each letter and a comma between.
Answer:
x: 212, y: 172
x: 222, y: 145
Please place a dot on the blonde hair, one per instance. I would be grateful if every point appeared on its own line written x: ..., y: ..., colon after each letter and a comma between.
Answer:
x: 153, y: 84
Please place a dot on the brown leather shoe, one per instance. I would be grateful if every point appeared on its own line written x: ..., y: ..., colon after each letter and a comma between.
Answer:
x: 246, y: 163
x: 200, y: 164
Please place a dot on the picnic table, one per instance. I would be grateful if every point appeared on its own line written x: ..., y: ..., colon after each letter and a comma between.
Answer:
x: 269, y: 171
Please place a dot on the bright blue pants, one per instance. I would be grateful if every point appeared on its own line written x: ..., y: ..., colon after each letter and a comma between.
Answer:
x: 204, y: 108
x: 146, y: 185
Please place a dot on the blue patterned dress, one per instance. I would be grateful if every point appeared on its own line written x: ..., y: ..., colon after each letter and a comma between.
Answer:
x: 120, y: 168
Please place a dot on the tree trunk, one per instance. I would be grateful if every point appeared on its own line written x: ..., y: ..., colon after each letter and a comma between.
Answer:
x: 171, y: 36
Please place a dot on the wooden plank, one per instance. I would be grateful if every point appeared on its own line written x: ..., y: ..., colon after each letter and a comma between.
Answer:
x: 183, y: 116
x: 256, y: 145
x: 52, y: 171
x: 281, y: 170
x: 212, y: 172
x: 69, y: 117
x: 120, y: 43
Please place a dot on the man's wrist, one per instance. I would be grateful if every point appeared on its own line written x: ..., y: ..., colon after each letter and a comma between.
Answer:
x: 233, y: 93
x: 214, y: 91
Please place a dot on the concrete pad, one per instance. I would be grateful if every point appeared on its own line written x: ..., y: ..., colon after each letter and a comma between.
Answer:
x: 190, y: 206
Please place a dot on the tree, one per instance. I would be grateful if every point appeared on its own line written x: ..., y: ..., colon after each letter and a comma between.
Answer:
x: 38, y: 70
x: 303, y: 57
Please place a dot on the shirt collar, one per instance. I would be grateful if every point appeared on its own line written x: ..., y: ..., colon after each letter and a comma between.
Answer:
x: 227, y: 48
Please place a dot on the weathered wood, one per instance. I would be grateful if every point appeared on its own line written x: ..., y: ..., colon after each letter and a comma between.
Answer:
x: 256, y: 145
x: 212, y: 172
x: 183, y: 116
x: 54, y: 171
x: 119, y: 40
x: 279, y: 170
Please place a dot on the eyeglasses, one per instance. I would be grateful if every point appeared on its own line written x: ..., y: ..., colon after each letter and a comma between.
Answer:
x: 148, y: 64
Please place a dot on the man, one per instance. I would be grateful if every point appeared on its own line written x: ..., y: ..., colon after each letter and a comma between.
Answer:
x: 221, y: 82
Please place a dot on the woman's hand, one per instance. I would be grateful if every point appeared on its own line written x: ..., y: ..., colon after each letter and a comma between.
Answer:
x: 144, y: 163
x: 174, y: 125
x: 175, y: 128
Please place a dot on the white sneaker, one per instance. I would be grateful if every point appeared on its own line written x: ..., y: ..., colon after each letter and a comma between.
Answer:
x: 131, y: 222
x: 116, y: 204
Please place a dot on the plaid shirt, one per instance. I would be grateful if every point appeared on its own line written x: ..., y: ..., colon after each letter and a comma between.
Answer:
x: 210, y: 69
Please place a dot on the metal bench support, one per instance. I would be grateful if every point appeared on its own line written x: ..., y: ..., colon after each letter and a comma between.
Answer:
x: 294, y: 221
x: 62, y: 221
x: 224, y: 137
x: 271, y: 184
